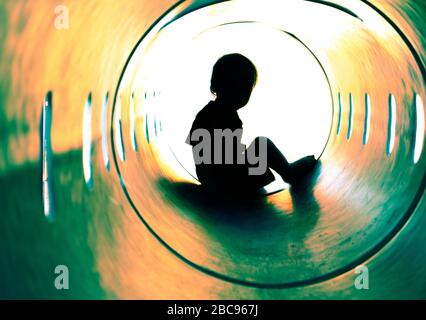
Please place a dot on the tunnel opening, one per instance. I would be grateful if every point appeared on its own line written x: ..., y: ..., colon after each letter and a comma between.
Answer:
x: 299, y: 239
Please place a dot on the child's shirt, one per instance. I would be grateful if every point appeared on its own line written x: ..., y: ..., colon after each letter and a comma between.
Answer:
x: 211, y: 117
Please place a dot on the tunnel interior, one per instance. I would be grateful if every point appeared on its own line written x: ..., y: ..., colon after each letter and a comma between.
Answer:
x: 344, y: 80
x: 290, y: 239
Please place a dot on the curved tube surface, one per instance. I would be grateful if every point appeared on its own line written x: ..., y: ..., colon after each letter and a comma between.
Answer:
x: 95, y: 172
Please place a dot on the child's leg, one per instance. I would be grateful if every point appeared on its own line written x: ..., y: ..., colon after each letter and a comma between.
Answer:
x: 275, y: 159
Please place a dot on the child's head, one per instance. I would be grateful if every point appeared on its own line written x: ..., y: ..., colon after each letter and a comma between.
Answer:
x: 233, y: 79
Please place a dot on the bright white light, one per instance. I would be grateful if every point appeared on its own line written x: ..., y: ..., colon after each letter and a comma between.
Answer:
x: 339, y: 120
x: 351, y: 115
x: 392, y: 124
x: 87, y: 141
x: 367, y: 118
x: 46, y: 126
x: 105, y: 155
x: 291, y: 103
x: 420, y: 128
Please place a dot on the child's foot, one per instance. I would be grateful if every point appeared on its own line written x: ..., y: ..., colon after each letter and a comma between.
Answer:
x: 302, y: 168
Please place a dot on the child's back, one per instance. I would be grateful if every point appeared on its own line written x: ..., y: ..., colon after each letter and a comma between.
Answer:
x: 217, y: 119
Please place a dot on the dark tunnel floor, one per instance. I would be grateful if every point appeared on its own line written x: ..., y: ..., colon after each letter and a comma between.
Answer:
x: 291, y: 238
x: 244, y: 228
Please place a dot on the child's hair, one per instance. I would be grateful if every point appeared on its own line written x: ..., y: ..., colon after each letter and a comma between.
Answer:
x: 233, y: 72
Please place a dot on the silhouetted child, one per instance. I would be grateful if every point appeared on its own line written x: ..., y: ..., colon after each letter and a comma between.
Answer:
x: 222, y: 161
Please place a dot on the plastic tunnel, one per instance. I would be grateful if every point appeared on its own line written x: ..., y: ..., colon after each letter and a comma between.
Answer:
x: 97, y: 98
